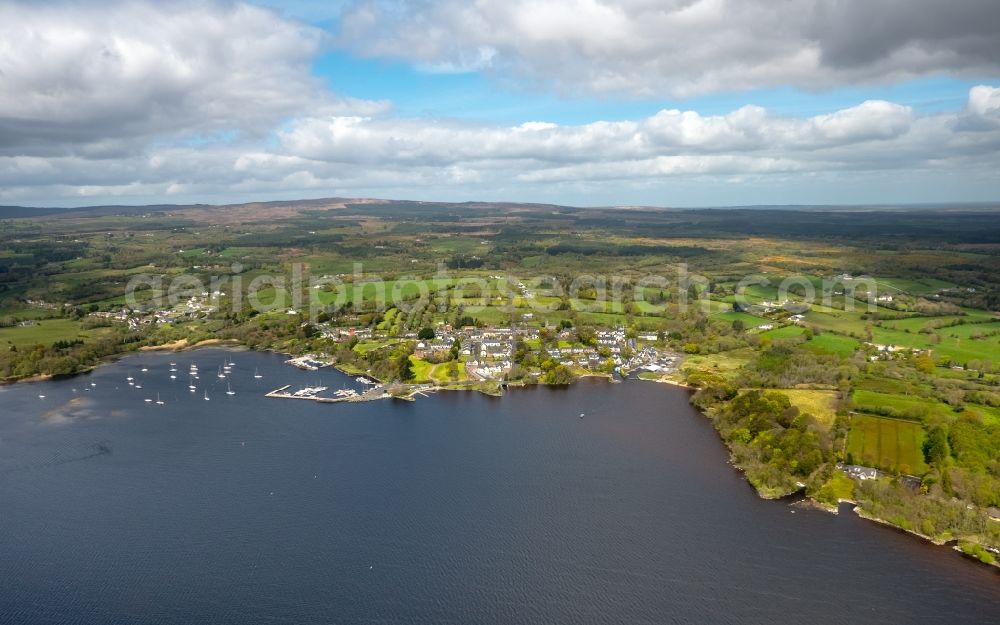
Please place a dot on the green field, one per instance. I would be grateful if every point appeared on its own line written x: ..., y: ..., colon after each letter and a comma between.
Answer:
x: 840, y: 321
x: 818, y: 403
x: 45, y: 332
x: 833, y: 344
x: 749, y: 321
x: 887, y: 444
x: 923, y: 286
x: 26, y: 313
x: 722, y: 364
x: 954, y: 343
x: 784, y: 332
x: 900, y: 406
x: 421, y: 370
x: 424, y: 372
x: 987, y: 414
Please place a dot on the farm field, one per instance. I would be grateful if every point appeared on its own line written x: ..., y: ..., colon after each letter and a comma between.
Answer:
x: 44, y: 332
x: 841, y: 321
x: 923, y: 286
x: 784, y: 332
x: 749, y: 321
x: 833, y: 344
x: 721, y: 364
x: 887, y: 444
x: 819, y: 403
x: 900, y: 406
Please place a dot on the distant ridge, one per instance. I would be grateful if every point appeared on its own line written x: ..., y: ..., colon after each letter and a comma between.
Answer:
x: 15, y: 212
x: 30, y: 211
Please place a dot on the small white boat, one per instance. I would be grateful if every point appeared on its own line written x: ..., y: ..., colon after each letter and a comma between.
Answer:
x: 230, y: 390
x: 41, y: 397
x: 206, y: 395
x: 129, y: 379
x: 138, y: 385
x: 192, y: 389
x: 144, y: 369
x: 173, y: 364
x: 159, y: 402
x: 93, y: 383
x: 173, y: 377
x: 257, y: 375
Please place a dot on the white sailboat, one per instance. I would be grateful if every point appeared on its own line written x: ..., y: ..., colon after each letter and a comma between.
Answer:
x: 230, y: 390
x: 256, y: 374
x: 206, y: 395
x: 159, y: 402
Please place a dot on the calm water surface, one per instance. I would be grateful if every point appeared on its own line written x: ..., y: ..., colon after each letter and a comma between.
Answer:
x: 457, y: 508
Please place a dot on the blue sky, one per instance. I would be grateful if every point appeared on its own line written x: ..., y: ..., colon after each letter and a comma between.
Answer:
x: 474, y: 95
x: 678, y: 103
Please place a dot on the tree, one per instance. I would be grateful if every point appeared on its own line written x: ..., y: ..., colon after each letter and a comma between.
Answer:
x: 936, y: 449
x: 924, y: 363
x: 425, y: 334
x: 560, y: 374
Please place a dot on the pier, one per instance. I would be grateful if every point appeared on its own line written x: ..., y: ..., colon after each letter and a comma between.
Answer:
x: 371, y: 394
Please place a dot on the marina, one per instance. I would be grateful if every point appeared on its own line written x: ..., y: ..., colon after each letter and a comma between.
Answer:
x: 340, y: 395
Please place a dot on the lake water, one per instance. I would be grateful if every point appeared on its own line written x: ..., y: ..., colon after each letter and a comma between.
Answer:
x: 458, y: 508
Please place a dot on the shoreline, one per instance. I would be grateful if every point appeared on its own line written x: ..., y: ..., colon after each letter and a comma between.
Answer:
x: 808, y: 501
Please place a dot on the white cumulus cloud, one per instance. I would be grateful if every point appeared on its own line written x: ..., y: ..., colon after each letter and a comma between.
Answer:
x: 102, y: 79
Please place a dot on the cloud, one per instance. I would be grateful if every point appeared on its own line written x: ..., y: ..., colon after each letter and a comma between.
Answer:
x: 683, y: 47
x: 412, y: 157
x: 104, y: 80
x: 747, y: 131
x: 984, y: 101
